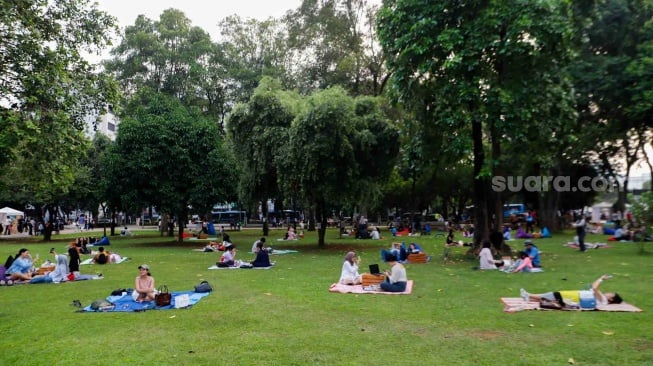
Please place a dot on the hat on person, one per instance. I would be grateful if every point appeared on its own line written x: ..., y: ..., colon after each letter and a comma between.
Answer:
x: 528, y: 242
x: 144, y: 266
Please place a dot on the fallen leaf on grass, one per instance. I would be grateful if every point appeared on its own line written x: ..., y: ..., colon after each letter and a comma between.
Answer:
x: 607, y: 332
x: 173, y: 316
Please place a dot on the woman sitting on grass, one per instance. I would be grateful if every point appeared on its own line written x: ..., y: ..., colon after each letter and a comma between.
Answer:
x: 523, y: 264
x: 144, y: 285
x: 486, y: 259
x: 228, y: 258
x: 349, y: 274
x: 262, y: 256
x: 396, y: 279
x: 21, y: 268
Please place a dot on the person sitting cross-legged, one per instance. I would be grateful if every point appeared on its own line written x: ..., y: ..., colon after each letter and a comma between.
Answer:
x: 396, y: 278
x: 262, y: 256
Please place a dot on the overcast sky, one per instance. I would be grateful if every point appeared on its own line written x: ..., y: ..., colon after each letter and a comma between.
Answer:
x: 203, y: 13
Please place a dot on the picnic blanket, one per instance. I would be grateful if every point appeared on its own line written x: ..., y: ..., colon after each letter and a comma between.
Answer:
x: 216, y: 267
x: 126, y: 303
x: 513, y: 304
x: 358, y: 289
x: 281, y: 251
x: 574, y: 245
x: 90, y: 261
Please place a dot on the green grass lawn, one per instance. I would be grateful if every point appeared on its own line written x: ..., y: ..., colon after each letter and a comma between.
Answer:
x: 286, y: 316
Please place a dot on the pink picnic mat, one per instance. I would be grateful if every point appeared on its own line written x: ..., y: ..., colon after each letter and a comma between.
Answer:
x: 513, y: 304
x: 358, y: 289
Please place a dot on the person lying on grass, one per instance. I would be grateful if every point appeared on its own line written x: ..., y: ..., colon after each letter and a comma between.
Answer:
x: 573, y: 296
x: 395, y: 279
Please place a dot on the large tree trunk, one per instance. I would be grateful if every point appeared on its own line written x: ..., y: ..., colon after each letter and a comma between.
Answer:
x: 182, y: 223
x: 322, y: 219
x: 480, y: 186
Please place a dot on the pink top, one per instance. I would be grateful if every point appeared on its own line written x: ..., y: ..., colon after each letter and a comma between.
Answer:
x: 525, y: 263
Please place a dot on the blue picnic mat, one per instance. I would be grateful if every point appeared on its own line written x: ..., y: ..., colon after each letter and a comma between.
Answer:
x: 125, y: 303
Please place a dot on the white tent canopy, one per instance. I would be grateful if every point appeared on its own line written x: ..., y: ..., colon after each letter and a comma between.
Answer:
x: 8, y: 211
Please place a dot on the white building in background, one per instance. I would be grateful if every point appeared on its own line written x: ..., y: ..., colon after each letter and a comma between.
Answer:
x: 106, y: 124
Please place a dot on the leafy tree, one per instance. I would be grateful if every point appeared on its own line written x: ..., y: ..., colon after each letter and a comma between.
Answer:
x: 612, y: 84
x: 173, y: 57
x: 258, y: 129
x: 46, y: 90
x: 88, y: 192
x: 250, y: 50
x: 476, y: 69
x: 335, y: 44
x: 168, y: 156
x: 339, y: 147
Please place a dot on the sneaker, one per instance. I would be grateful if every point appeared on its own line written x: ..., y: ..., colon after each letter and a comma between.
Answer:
x: 524, y: 295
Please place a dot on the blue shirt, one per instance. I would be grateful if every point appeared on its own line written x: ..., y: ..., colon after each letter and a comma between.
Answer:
x: 20, y: 265
x: 534, y: 253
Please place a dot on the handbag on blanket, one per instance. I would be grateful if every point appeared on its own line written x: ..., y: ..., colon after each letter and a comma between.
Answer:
x: 204, y: 286
x: 164, y: 297
x: 101, y: 305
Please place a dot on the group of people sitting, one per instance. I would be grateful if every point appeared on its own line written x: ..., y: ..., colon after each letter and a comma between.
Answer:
x: 22, y: 268
x: 528, y: 260
x: 395, y: 278
x: 400, y: 251
x: 103, y: 256
x: 228, y: 258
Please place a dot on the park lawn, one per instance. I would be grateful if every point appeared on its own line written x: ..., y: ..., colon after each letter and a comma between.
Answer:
x: 286, y: 316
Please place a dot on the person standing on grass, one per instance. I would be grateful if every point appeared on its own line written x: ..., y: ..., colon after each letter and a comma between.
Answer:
x: 74, y: 259
x: 396, y: 279
x: 580, y: 231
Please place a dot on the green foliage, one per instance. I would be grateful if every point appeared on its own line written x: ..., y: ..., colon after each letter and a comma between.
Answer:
x: 340, y: 148
x: 168, y: 156
x: 480, y: 72
x: 174, y: 57
x: 46, y: 91
x: 340, y: 39
x: 611, y: 82
x: 259, y: 133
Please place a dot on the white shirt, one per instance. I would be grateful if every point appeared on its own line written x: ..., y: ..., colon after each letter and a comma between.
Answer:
x: 349, y: 272
x: 486, y: 260
x: 398, y: 273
